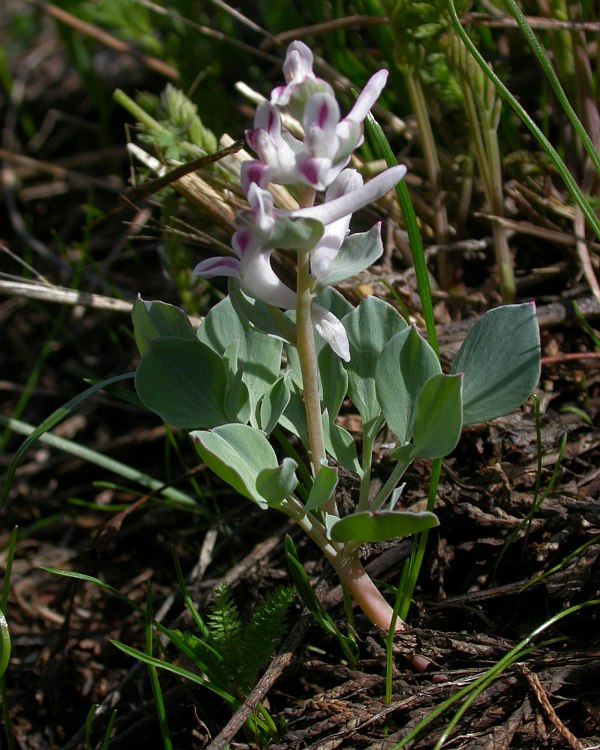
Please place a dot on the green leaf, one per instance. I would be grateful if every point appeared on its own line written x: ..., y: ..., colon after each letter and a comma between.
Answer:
x: 438, y: 417
x: 179, y: 671
x: 4, y: 644
x: 273, y: 404
x: 369, y: 328
x: 243, y: 457
x: 203, y: 655
x: 258, y: 355
x: 305, y: 590
x: 294, y: 233
x: 264, y: 318
x: 152, y: 320
x: 381, y: 525
x: 323, y: 487
x: 276, y: 484
x: 404, y: 366
x: 500, y: 359
x: 183, y: 381
x: 237, y: 399
x: 359, y: 251
x: 340, y: 444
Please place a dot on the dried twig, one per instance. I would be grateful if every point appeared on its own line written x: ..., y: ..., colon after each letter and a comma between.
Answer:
x: 546, y: 24
x: 550, y: 713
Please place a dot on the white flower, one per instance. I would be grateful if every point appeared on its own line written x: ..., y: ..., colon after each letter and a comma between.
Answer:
x: 300, y: 79
x: 261, y: 225
x: 329, y: 141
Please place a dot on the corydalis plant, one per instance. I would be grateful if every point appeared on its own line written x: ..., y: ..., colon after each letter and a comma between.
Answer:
x: 230, y: 384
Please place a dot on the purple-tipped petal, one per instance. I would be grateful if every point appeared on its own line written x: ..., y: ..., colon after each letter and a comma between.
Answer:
x: 320, y: 118
x: 212, y: 267
x: 274, y: 146
x: 331, y: 330
x: 244, y: 241
x: 297, y: 69
x: 268, y: 118
x: 353, y: 201
x: 261, y: 208
x: 318, y: 172
x: 254, y: 171
x: 368, y: 96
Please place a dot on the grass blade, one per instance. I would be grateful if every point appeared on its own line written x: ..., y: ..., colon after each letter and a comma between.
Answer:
x: 86, y: 454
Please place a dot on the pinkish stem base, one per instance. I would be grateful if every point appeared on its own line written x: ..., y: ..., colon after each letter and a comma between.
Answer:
x: 368, y: 597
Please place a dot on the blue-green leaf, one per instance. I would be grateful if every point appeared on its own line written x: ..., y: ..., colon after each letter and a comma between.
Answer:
x: 239, y: 455
x: 381, y: 525
x: 369, y: 328
x: 183, y: 381
x: 500, y: 359
x: 273, y: 404
x: 323, y: 487
x: 264, y: 318
x: 258, y: 355
x: 404, y: 366
x: 294, y: 418
x: 359, y: 251
x: 152, y: 320
x: 340, y: 444
x: 237, y: 399
x: 438, y: 417
x: 294, y: 233
x: 276, y: 484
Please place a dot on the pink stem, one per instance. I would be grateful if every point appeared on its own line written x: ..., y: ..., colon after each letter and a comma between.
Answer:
x: 368, y: 597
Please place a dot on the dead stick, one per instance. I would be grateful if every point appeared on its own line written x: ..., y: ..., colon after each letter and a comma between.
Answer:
x: 550, y: 713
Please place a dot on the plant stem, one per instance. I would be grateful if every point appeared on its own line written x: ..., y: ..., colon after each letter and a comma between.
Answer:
x: 346, y: 562
x: 307, y: 354
x: 369, y: 434
x: 308, y: 363
x: 355, y: 578
x: 358, y: 583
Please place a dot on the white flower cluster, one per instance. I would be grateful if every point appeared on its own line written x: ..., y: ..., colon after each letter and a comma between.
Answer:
x: 319, y: 161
